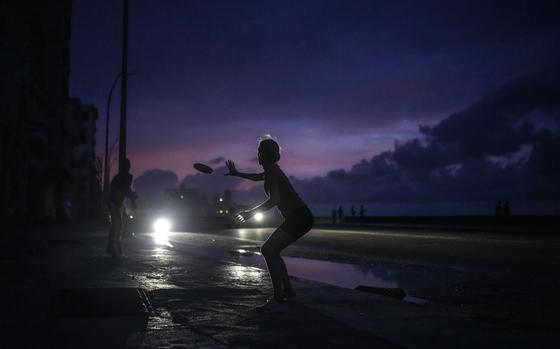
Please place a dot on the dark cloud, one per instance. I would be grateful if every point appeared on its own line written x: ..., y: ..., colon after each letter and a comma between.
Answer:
x: 501, y: 123
x: 152, y: 183
x: 501, y: 147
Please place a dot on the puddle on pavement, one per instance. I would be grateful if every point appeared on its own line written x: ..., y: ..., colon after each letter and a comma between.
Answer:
x: 333, y: 273
x: 344, y: 275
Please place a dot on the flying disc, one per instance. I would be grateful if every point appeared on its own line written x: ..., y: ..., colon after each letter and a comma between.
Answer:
x: 203, y: 168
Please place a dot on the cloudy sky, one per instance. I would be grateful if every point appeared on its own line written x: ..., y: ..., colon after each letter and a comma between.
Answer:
x: 344, y: 86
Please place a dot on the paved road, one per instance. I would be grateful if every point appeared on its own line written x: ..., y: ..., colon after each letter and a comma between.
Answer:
x: 452, y: 250
x: 473, y: 269
x: 207, y: 302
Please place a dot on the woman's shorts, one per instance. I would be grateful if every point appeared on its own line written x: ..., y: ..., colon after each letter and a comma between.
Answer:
x: 298, y: 222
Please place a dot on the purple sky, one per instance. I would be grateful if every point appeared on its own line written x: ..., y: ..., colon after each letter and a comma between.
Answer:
x: 335, y: 81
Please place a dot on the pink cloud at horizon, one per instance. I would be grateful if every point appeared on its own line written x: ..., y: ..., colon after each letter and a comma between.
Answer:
x: 308, y: 149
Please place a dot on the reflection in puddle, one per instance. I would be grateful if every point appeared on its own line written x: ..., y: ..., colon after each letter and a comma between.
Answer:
x: 333, y: 273
x: 338, y: 274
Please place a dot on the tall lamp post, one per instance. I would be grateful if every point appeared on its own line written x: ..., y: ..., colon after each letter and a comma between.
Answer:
x: 124, y: 80
x: 106, y: 173
x: 106, y: 166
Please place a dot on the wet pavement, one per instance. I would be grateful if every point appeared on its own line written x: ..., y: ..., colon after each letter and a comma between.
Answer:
x: 518, y: 278
x: 202, y: 297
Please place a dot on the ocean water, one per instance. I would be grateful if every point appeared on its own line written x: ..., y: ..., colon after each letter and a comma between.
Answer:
x: 437, y: 209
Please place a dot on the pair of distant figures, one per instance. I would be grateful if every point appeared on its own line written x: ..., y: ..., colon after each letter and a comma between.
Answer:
x: 340, y: 213
x: 503, y: 209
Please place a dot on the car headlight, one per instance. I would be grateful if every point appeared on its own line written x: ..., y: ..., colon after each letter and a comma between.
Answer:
x: 162, y: 225
x: 161, y: 231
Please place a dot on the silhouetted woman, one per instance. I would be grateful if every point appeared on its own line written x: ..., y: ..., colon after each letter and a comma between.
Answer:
x: 298, y: 219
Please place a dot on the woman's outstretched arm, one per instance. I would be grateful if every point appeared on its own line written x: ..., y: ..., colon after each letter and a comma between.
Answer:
x: 265, y: 206
x: 270, y: 202
x: 250, y: 176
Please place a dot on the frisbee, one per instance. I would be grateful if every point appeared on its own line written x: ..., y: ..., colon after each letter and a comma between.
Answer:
x: 203, y: 168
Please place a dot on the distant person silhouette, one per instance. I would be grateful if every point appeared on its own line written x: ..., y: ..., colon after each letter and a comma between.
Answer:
x: 499, y: 209
x: 507, y: 209
x: 120, y: 189
x: 333, y: 216
x: 352, y: 211
x: 340, y: 213
x: 362, y: 211
x: 298, y: 219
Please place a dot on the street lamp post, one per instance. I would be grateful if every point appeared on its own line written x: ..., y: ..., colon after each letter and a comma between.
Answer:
x: 106, y: 173
x: 124, y: 80
x: 106, y: 166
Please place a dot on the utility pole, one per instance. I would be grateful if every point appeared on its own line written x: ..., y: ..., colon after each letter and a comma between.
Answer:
x: 106, y: 166
x: 124, y: 78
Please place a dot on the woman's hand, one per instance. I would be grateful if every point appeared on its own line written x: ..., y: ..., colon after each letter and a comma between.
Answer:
x: 232, y: 169
x: 244, y: 216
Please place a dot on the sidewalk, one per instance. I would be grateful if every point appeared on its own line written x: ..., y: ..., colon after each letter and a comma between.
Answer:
x: 204, y: 302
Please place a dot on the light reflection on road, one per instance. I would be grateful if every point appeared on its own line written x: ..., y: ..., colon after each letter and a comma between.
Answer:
x: 333, y: 273
x: 243, y: 275
x: 248, y: 257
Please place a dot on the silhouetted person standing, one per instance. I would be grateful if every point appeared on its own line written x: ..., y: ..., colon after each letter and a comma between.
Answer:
x: 507, y: 209
x: 499, y: 209
x: 298, y: 219
x: 362, y: 211
x: 333, y: 216
x: 120, y: 190
x: 340, y: 213
x: 353, y: 211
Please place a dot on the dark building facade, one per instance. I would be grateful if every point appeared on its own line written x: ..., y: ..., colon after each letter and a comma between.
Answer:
x: 47, y: 139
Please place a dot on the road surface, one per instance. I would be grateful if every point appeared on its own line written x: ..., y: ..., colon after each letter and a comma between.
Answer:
x: 452, y: 250
x: 463, y: 269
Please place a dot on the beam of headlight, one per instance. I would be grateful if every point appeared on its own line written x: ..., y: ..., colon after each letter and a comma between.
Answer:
x: 161, y: 232
x: 259, y: 217
x: 162, y: 225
